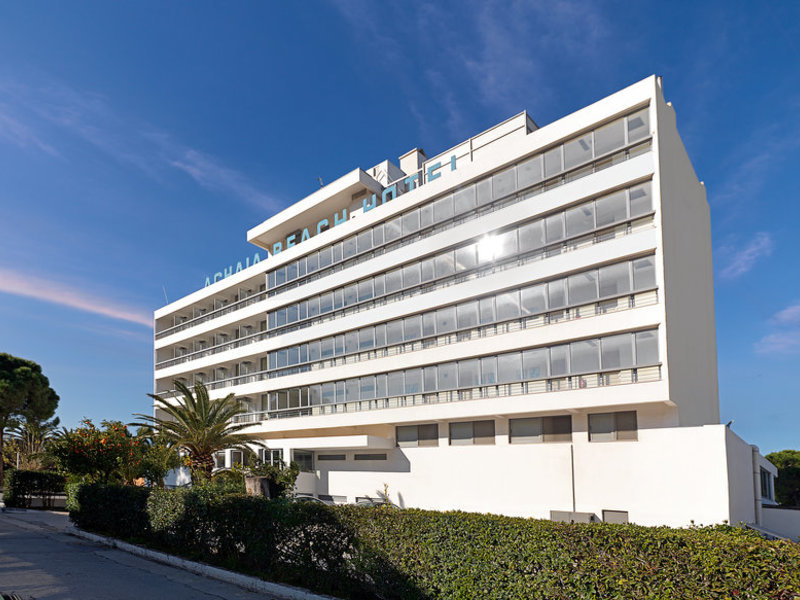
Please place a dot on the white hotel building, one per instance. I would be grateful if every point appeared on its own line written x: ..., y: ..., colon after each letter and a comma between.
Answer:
x: 523, y: 324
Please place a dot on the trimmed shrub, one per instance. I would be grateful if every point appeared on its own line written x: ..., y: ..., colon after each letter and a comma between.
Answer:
x: 22, y: 486
x: 379, y: 552
x: 115, y: 510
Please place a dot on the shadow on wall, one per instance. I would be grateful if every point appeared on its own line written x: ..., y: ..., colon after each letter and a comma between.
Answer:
x: 396, y: 462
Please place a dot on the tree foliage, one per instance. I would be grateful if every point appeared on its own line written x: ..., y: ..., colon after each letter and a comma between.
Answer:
x: 25, y: 393
x: 107, y: 454
x: 30, y: 439
x: 787, y: 485
x: 199, y: 426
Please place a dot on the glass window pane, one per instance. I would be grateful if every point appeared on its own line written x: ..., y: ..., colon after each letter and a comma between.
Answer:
x: 552, y: 162
x: 444, y: 265
x: 504, y: 183
x: 443, y: 209
x: 638, y: 125
x: 466, y: 258
x: 535, y: 363
x: 364, y: 290
x: 509, y: 367
x: 394, y: 281
x: 483, y: 432
x: 467, y: 314
x: 338, y: 299
x: 394, y: 332
x: 327, y: 347
x: 429, y: 379
x: 425, y: 216
x: 406, y: 436
x: 412, y: 328
x: 364, y: 241
x: 489, y: 370
x: 464, y: 200
x: 349, y: 247
x: 326, y: 303
x: 312, y: 262
x: 625, y: 424
x: 429, y: 324
x: 644, y: 273
x: 447, y: 374
x: 583, y: 287
x: 559, y: 360
x: 507, y: 305
x: 486, y: 310
x: 380, y: 335
x: 641, y: 199
x: 395, y: 383
x: 614, y: 280
x: 557, y: 429
x: 525, y: 431
x: 469, y: 373
x: 313, y: 307
x: 534, y: 299
x: 555, y: 228
x: 646, y: 348
x: 530, y: 171
x: 484, y: 191
x: 461, y: 434
x: 393, y: 229
x: 585, y: 356
x: 578, y: 151
x: 427, y: 269
x: 611, y: 209
x: 352, y: 387
x: 338, y: 345
x: 377, y: 235
x: 445, y: 319
x: 324, y: 258
x: 350, y: 295
x: 413, y: 383
x: 294, y: 355
x: 617, y: 351
x: 367, y: 384
x: 379, y: 285
x: 609, y: 137
x: 381, y: 386
x: 556, y: 294
x: 580, y: 219
x: 291, y: 313
x: 601, y: 427
x: 428, y: 434
x: 531, y: 236
x: 366, y: 338
x: 411, y: 275
x: 411, y: 222
x: 506, y: 244
x: 328, y: 393
x: 336, y: 253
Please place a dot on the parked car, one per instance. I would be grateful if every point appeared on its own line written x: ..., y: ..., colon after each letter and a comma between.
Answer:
x: 375, y: 502
x: 309, y: 498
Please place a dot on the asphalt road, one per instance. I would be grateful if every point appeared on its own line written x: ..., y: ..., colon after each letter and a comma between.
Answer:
x: 39, y: 560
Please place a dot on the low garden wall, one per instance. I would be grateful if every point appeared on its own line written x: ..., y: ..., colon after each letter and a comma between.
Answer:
x: 376, y: 552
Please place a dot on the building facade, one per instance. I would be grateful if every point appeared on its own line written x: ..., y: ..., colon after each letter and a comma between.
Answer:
x: 523, y: 324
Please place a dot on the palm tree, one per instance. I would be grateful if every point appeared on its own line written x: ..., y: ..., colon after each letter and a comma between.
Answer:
x: 199, y: 426
x: 32, y: 437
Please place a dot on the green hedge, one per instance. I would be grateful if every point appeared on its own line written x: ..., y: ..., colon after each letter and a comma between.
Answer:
x: 116, y: 510
x: 376, y: 552
x: 22, y: 486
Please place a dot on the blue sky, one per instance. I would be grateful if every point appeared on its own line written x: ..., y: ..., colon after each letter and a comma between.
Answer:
x: 139, y: 142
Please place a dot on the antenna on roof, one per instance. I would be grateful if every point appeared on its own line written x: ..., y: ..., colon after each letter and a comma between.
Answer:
x: 163, y: 287
x: 320, y: 182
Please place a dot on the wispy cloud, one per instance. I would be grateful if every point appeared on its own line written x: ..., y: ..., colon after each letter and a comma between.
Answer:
x: 88, y: 116
x: 784, y: 342
x: 16, y: 132
x: 47, y: 290
x: 788, y: 316
x: 740, y: 261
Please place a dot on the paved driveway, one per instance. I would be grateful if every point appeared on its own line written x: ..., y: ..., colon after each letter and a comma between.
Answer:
x: 39, y: 560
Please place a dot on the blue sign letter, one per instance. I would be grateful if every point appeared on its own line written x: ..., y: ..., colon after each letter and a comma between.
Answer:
x: 431, y: 171
x: 393, y: 189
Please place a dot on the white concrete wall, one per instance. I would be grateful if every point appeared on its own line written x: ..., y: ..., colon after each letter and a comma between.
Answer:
x: 672, y: 476
x: 785, y: 521
x: 742, y: 486
x: 691, y: 349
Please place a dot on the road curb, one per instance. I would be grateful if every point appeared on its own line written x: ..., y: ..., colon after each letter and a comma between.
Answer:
x: 278, y: 590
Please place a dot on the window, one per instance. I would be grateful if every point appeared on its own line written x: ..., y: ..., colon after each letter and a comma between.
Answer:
x: 534, y: 430
x: 646, y: 348
x: 614, y: 280
x: 530, y: 171
x: 411, y: 436
x: 585, y: 356
x: 509, y: 367
x: 464, y: 200
x: 609, y: 137
x: 504, y: 183
x: 617, y: 351
x: 534, y: 299
x: 641, y: 200
x: 644, y: 273
x: 578, y: 151
x: 614, y: 426
x: 766, y: 485
x: 370, y: 456
x: 534, y: 363
x: 469, y: 372
x: 552, y: 162
x: 638, y: 125
x: 580, y: 219
x: 472, y: 433
x: 611, y: 209
x: 304, y: 460
x: 445, y: 320
x: 327, y: 457
x: 583, y: 287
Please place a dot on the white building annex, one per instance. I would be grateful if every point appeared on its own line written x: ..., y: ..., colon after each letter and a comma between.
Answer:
x: 523, y: 324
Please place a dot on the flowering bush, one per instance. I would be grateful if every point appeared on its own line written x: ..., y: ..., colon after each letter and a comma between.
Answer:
x: 107, y: 454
